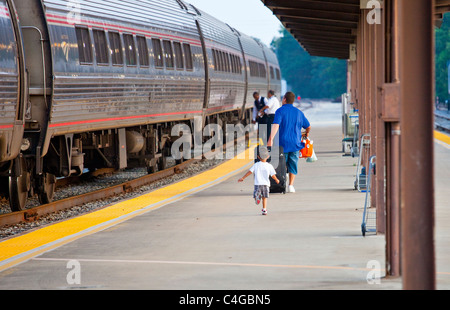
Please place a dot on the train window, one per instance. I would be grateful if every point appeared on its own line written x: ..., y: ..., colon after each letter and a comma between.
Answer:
x: 214, y: 59
x: 262, y: 71
x: 272, y: 74
x: 257, y: 69
x: 232, y: 64
x: 224, y: 62
x: 143, y: 51
x: 251, y: 64
x: 219, y: 61
x: 84, y: 45
x: 235, y: 64
x: 278, y: 74
x: 178, y: 55
x: 168, y: 54
x: 7, y: 47
x: 188, y: 56
x: 115, y: 44
x: 227, y: 58
x: 157, y: 53
x: 227, y: 62
x: 239, y: 65
x: 101, y: 49
x: 130, y: 50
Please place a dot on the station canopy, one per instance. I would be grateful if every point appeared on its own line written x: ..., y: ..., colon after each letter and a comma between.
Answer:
x: 327, y: 28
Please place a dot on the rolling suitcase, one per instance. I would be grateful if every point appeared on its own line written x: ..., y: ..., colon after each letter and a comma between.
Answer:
x: 278, y: 161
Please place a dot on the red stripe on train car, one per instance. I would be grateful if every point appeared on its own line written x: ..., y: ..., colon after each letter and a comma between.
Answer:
x: 120, y: 118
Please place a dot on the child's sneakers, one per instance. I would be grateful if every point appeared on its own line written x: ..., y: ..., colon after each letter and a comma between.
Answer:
x: 264, y: 212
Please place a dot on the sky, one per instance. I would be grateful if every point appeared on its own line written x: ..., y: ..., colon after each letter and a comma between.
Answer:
x: 248, y: 16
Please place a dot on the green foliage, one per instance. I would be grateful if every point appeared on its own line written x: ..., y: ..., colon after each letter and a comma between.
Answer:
x: 309, y: 77
x: 318, y: 77
x: 442, y: 57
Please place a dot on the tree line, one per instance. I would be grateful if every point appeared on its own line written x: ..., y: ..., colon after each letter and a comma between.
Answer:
x: 326, y: 78
x: 442, y: 58
x: 309, y: 76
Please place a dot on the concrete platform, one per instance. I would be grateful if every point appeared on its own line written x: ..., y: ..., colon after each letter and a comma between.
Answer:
x: 217, y: 239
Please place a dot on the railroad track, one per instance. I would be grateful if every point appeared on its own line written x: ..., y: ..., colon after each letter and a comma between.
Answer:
x: 33, y: 214
x: 442, y: 121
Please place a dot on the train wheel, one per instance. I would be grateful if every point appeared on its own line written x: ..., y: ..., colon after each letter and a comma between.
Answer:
x: 47, y: 188
x: 151, y: 169
x: 19, y: 186
x: 162, y: 162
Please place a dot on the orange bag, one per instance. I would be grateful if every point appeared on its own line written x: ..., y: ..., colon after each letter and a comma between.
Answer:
x: 307, y: 152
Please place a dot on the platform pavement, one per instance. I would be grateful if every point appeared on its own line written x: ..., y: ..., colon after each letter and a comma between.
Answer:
x: 217, y: 239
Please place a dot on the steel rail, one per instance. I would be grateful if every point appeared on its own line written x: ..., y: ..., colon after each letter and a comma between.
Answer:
x: 35, y: 213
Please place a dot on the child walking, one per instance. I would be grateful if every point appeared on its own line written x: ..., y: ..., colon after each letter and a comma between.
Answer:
x: 262, y: 171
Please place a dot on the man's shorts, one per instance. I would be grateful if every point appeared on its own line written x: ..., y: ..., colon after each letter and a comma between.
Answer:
x: 261, y: 190
x: 292, y: 162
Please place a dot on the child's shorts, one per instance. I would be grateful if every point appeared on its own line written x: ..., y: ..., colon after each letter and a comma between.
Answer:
x: 262, y: 190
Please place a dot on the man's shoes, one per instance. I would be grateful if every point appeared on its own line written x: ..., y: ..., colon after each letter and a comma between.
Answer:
x: 291, y: 189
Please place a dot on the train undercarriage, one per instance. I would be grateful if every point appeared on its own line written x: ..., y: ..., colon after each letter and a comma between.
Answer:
x: 146, y: 146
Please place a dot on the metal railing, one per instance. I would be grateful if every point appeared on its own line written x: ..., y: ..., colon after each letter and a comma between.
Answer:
x: 361, y: 180
x: 369, y: 216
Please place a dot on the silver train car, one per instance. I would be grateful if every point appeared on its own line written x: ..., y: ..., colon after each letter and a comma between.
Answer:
x: 12, y: 104
x: 101, y: 83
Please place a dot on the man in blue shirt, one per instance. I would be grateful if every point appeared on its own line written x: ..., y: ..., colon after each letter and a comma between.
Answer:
x: 290, y: 121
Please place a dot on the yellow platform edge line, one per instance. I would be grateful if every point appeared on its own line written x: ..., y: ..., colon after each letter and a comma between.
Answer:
x: 442, y: 137
x: 19, y: 249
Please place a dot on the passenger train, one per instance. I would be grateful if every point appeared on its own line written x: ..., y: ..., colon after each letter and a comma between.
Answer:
x: 100, y: 83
